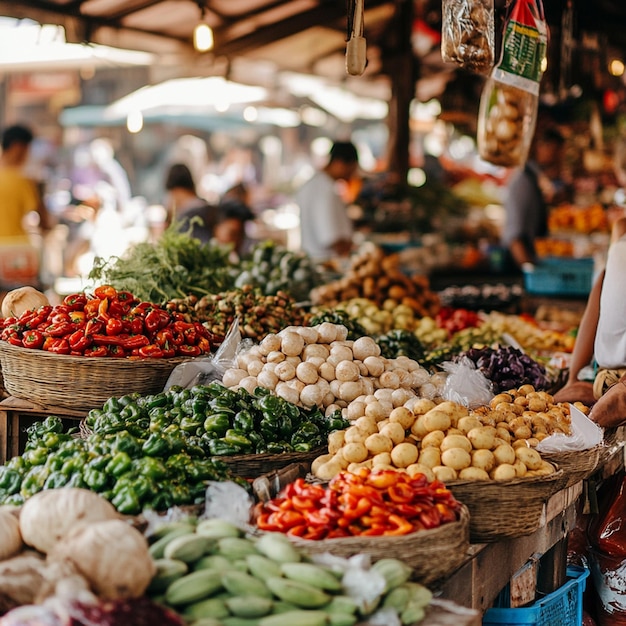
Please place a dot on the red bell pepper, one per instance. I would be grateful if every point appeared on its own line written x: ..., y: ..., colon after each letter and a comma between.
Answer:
x: 78, y: 317
x: 190, y: 351
x: 96, y: 351
x: 116, y: 351
x: 91, y: 308
x: 60, y: 329
x: 57, y: 345
x: 32, y: 339
x: 114, y: 326
x: 75, y: 301
x: 151, y: 351
x: 103, y: 292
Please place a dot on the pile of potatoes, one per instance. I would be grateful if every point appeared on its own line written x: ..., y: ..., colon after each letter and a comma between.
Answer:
x: 447, y: 441
x: 318, y: 366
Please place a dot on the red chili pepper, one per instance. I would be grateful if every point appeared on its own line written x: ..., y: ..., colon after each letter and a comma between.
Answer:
x: 152, y: 321
x: 32, y: 339
x: 297, y: 531
x: 152, y: 351
x: 103, y: 310
x: 114, y: 326
x: 302, y: 503
x: 59, y: 316
x: 383, y: 479
x: 103, y: 292
x: 136, y: 326
x: 78, y: 317
x: 430, y: 518
x: 188, y: 350
x: 79, y: 341
x: 164, y: 337
x: 401, y: 492
x: 446, y: 514
x: 262, y: 521
x: 287, y: 519
x: 60, y: 329
x: 8, y: 321
x: 14, y: 339
x: 96, y: 351
x: 116, y: 351
x: 362, y: 506
x: 135, y: 341
x: 37, y: 317
x: 399, y: 526
x: 91, y: 308
x: 94, y: 327
x: 118, y: 309
x: 57, y: 345
x: 315, y: 534
x: 127, y: 297
x: 75, y: 301
x: 108, y: 340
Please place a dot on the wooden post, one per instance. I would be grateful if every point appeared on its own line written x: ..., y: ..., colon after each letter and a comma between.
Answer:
x: 400, y: 64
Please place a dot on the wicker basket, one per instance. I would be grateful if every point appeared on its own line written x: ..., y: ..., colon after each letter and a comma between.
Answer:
x: 78, y: 382
x: 503, y: 510
x: 577, y: 464
x: 433, y: 554
x: 254, y: 465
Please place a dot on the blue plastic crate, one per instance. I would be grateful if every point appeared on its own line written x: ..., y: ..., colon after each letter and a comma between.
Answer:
x: 560, y: 277
x: 563, y: 607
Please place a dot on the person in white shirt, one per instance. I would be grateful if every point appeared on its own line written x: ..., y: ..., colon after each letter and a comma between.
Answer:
x: 326, y: 230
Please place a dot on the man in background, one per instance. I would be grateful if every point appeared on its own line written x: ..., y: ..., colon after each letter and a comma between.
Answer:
x: 326, y: 229
x: 18, y: 194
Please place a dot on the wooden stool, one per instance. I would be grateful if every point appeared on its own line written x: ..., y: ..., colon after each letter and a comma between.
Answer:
x: 17, y: 415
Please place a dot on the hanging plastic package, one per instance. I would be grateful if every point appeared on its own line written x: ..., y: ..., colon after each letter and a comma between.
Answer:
x: 510, y: 98
x: 607, y: 554
x: 467, y: 34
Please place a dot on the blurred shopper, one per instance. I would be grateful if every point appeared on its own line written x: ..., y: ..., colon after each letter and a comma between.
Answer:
x: 18, y: 195
x: 230, y: 223
x: 325, y: 228
x: 530, y: 191
x: 186, y: 208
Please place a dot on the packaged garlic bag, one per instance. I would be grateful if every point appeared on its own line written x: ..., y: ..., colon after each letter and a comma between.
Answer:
x: 510, y: 98
x: 467, y: 34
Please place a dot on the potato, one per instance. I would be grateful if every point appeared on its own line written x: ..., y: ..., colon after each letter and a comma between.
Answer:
x: 378, y: 443
x: 367, y: 424
x: 275, y: 357
x: 503, y: 472
x: 375, y: 366
x: 499, y: 399
x: 270, y: 343
x: 416, y: 468
x: 399, y: 397
x: 233, y: 376
x: 404, y: 454
x: 249, y: 383
x: 384, y: 395
x: 339, y: 353
x: 311, y: 396
x: 394, y: 431
x: 482, y: 437
x: 310, y: 335
x: 436, y: 420
x: 433, y: 439
x: 350, y: 390
x: 456, y: 441
x: 339, y: 458
x: 354, y: 452
x: 422, y: 405
x: 430, y: 457
x: 473, y: 473
x: 546, y: 469
x: 523, y: 432
x: 418, y: 429
x: 347, y: 371
x: 503, y: 433
x: 320, y: 460
x: 307, y: 373
x: 336, y: 440
x: 376, y: 410
x: 456, y: 458
x: 454, y: 410
x: 529, y: 457
x: 384, y: 458
x: 483, y: 459
x: 504, y: 454
x: 315, y: 350
x: 354, y: 434
x: 328, y: 470
x: 520, y: 469
x: 524, y: 390
x: 365, y: 347
x: 292, y: 344
x: 327, y: 332
x: 255, y: 367
x: 444, y: 473
x: 402, y: 416
x: 389, y: 380
x: 465, y: 424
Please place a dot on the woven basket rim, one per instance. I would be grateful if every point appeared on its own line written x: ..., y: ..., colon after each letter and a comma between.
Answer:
x: 70, y: 359
x: 532, y: 481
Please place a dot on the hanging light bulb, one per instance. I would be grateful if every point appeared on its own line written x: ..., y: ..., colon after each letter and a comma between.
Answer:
x: 202, y: 33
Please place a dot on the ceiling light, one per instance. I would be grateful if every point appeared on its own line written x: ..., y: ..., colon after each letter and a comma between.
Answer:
x: 202, y: 33
x: 616, y: 67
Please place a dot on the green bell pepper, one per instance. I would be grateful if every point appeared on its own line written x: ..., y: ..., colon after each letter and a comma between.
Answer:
x: 10, y: 480
x: 34, y: 480
x: 56, y: 480
x: 150, y: 467
x: 126, y: 501
x: 181, y: 494
x: 125, y: 442
x: 306, y: 433
x: 36, y: 456
x: 244, y: 421
x: 219, y: 447
x: 217, y: 424
x: 162, y: 499
x: 156, y: 445
x: 119, y: 464
x: 191, y: 424
x: 95, y: 479
x: 235, y: 437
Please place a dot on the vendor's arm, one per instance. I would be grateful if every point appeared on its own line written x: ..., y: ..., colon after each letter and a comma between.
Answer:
x: 520, y: 253
x: 519, y: 208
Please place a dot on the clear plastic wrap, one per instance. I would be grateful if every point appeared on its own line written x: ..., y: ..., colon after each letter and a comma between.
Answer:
x: 467, y: 34
x: 510, y: 98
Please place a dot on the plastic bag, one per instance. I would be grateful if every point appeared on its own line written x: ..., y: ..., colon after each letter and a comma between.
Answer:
x: 467, y: 34
x: 228, y: 501
x: 202, y: 371
x: 465, y: 384
x: 585, y: 434
x: 510, y: 99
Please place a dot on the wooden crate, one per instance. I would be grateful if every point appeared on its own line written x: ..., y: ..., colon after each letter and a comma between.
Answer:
x: 17, y: 415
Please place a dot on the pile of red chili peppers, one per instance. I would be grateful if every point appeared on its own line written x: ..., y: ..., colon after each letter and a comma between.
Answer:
x: 110, y: 323
x: 365, y: 503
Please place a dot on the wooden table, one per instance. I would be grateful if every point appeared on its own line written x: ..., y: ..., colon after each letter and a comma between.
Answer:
x: 16, y: 415
x: 490, y: 567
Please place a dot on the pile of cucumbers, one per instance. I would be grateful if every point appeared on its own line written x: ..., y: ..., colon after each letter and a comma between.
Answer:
x: 213, y: 575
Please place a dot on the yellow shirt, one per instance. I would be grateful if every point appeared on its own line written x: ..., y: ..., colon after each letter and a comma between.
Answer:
x: 18, y: 196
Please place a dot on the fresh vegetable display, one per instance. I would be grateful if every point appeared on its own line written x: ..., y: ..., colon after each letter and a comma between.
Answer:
x: 453, y: 320
x: 175, y: 266
x: 364, y: 503
x: 258, y: 314
x: 210, y: 573
x: 508, y: 368
x: 273, y: 269
x: 212, y: 420
x: 143, y: 466
x: 110, y: 323
x: 397, y: 343
x: 447, y: 441
x: 340, y: 318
